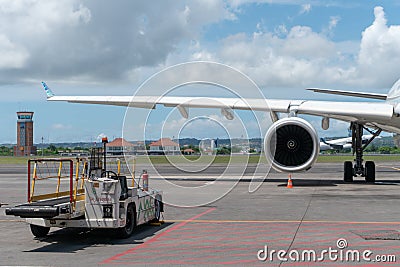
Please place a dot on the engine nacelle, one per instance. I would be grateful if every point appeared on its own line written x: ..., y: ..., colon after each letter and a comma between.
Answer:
x: 291, y: 145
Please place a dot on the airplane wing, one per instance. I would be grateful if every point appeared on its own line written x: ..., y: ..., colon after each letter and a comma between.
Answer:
x: 371, y: 114
x: 283, y: 135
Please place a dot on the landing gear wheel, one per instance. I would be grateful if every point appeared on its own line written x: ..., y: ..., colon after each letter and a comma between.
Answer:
x: 127, y: 230
x: 39, y: 231
x: 370, y: 172
x: 348, y: 171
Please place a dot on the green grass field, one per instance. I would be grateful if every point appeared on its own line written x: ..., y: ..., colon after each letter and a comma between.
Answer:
x: 342, y: 158
x: 223, y: 159
x: 205, y: 159
x: 13, y: 160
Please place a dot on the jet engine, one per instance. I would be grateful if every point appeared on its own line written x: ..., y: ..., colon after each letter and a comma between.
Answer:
x: 291, y: 145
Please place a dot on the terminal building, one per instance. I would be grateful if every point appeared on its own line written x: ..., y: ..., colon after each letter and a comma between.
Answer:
x: 24, y: 145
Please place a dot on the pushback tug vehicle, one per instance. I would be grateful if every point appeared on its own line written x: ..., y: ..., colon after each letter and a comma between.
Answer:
x: 94, y: 198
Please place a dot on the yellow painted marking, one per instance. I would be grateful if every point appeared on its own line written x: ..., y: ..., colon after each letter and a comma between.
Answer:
x: 11, y: 221
x: 85, y: 165
x: 54, y: 195
x: 271, y: 221
x: 133, y: 172
x: 119, y: 167
x: 76, y: 184
x: 59, y: 177
x: 33, y: 180
x: 51, y: 195
x: 80, y: 198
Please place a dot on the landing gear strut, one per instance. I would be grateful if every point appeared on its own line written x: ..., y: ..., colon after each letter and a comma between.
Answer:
x: 367, y: 171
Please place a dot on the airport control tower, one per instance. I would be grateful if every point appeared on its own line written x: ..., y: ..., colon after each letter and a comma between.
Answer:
x: 24, y: 145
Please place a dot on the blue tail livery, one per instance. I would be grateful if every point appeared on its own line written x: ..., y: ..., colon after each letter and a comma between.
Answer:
x: 49, y: 93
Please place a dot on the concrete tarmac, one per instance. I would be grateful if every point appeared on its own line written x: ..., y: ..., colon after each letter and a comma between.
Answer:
x: 320, y: 213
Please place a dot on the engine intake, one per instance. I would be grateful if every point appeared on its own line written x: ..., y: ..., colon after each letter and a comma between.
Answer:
x: 291, y: 145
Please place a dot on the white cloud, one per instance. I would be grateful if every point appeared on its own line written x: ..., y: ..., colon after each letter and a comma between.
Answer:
x: 13, y: 56
x: 303, y: 3
x: 281, y: 30
x: 305, y: 8
x: 303, y: 57
x: 334, y: 20
x: 299, y: 58
x: 60, y: 126
x: 84, y: 41
x: 379, y: 54
x: 100, y: 137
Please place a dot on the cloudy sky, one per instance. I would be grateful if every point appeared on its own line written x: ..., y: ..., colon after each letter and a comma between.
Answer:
x: 99, y: 47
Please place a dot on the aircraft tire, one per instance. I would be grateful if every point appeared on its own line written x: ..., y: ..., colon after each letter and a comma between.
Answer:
x: 348, y: 171
x: 370, y: 172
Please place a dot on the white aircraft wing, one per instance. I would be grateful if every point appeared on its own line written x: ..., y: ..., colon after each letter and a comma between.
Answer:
x: 368, y: 113
x: 347, y: 111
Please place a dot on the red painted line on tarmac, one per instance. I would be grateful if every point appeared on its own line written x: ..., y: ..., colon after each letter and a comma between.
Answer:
x: 155, y: 238
x: 203, y: 248
x: 235, y: 262
x: 184, y: 262
x: 199, y: 260
x: 192, y: 253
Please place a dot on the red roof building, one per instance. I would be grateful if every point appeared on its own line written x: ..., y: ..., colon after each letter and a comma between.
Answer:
x: 119, y: 146
x: 188, y: 151
x: 164, y: 146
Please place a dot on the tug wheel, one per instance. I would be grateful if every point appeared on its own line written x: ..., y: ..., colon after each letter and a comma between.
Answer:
x: 127, y: 230
x: 157, y: 210
x: 39, y: 231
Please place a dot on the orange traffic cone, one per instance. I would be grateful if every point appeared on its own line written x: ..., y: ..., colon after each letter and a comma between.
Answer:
x: 289, y: 182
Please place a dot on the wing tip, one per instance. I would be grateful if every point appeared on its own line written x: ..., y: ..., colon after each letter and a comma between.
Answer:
x: 48, y: 91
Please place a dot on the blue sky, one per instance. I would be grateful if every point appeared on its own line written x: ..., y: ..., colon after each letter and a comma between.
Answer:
x: 111, y: 47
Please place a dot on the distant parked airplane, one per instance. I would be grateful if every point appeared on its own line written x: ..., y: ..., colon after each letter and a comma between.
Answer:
x: 341, y: 143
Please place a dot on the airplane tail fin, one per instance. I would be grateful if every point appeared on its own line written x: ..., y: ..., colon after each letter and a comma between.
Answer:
x: 49, y: 93
x: 323, y: 141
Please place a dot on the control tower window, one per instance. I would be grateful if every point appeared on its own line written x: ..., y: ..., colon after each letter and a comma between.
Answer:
x: 24, y: 117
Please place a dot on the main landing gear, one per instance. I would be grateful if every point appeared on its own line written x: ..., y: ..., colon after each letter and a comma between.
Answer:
x: 367, y: 171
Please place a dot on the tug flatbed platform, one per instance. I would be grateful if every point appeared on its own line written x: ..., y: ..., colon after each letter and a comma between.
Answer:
x: 48, y: 208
